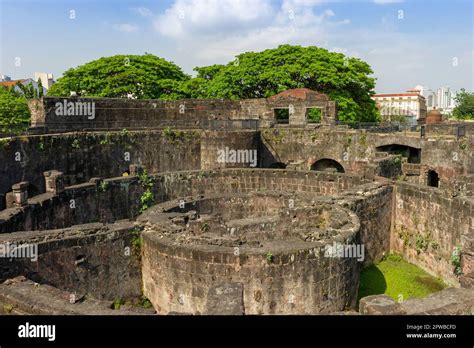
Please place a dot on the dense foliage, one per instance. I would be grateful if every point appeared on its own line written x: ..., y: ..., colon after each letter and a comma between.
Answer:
x: 14, y: 112
x: 465, y: 108
x: 263, y: 74
x: 120, y: 76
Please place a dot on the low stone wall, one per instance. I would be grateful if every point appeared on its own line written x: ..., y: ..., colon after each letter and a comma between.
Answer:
x: 116, y: 114
x: 95, y: 259
x: 284, y: 270
x: 451, y: 301
x: 449, y: 128
x: 428, y: 226
x: 98, y: 201
x: 21, y: 296
x: 119, y: 198
x: 191, y: 183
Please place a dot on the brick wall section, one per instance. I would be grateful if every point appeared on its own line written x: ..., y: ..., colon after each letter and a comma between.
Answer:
x: 123, y: 113
x: 213, y: 142
x: 85, y: 259
x: 428, y: 225
x: 373, y: 205
x: 318, y: 284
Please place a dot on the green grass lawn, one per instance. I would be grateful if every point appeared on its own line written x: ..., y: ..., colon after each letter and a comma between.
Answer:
x: 394, y: 277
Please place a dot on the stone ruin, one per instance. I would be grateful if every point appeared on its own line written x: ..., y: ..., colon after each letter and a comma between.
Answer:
x: 131, y: 212
x: 268, y: 253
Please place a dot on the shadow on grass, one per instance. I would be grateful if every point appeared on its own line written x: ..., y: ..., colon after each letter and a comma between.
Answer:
x: 372, y: 282
x: 430, y: 283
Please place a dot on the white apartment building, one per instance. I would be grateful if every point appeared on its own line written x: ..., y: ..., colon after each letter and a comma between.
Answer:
x: 47, y: 79
x: 411, y: 105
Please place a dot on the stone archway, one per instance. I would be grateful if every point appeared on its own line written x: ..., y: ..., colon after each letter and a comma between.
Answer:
x: 412, y: 154
x: 327, y: 165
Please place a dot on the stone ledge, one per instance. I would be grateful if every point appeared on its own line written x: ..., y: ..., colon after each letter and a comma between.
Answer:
x: 22, y: 296
x: 450, y: 301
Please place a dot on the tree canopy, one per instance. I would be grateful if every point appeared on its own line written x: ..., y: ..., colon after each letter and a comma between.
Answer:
x: 14, y: 110
x: 465, y: 108
x: 251, y: 75
x: 143, y: 77
x: 266, y: 73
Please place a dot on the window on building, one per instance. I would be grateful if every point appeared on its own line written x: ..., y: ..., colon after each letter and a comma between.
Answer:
x: 313, y: 115
x: 282, y: 115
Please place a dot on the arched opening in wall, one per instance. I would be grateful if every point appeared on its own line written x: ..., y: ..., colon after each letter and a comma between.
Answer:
x: 327, y: 165
x: 433, y: 178
x: 278, y: 165
x: 412, y: 154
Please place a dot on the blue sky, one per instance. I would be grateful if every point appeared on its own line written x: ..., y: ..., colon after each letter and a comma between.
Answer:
x: 411, y: 42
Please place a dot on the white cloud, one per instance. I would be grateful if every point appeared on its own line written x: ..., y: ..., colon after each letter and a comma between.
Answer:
x: 205, y: 32
x: 191, y: 17
x: 384, y: 2
x: 216, y: 30
x: 142, y: 11
x: 125, y: 27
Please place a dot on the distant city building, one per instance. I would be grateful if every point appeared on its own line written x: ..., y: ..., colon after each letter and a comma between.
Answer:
x: 25, y: 82
x: 5, y: 78
x: 47, y: 79
x: 443, y: 99
x: 410, y: 105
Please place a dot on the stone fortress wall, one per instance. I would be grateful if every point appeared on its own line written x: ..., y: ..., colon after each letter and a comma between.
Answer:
x: 59, y: 114
x: 42, y: 174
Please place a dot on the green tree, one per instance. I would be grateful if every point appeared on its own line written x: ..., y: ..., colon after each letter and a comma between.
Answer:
x: 40, y: 88
x: 28, y: 91
x: 144, y: 77
x: 465, y: 105
x: 14, y: 112
x: 263, y: 74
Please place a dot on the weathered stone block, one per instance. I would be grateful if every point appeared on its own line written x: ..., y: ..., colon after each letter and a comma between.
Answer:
x: 54, y: 181
x: 225, y: 299
x: 379, y: 304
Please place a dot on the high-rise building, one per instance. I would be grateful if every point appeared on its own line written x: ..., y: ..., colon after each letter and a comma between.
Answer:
x: 446, y: 100
x: 47, y: 79
x: 4, y: 78
x: 443, y: 99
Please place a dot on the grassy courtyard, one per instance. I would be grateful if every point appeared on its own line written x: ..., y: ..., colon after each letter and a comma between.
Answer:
x: 398, y: 279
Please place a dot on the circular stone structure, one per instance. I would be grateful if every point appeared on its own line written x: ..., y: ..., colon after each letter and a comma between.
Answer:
x: 259, y: 253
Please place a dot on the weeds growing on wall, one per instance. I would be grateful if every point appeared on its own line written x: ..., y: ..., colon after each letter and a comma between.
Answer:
x: 456, y: 260
x: 136, y: 241
x: 147, y: 198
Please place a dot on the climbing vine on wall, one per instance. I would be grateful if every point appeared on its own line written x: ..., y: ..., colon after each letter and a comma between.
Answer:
x: 147, y: 198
